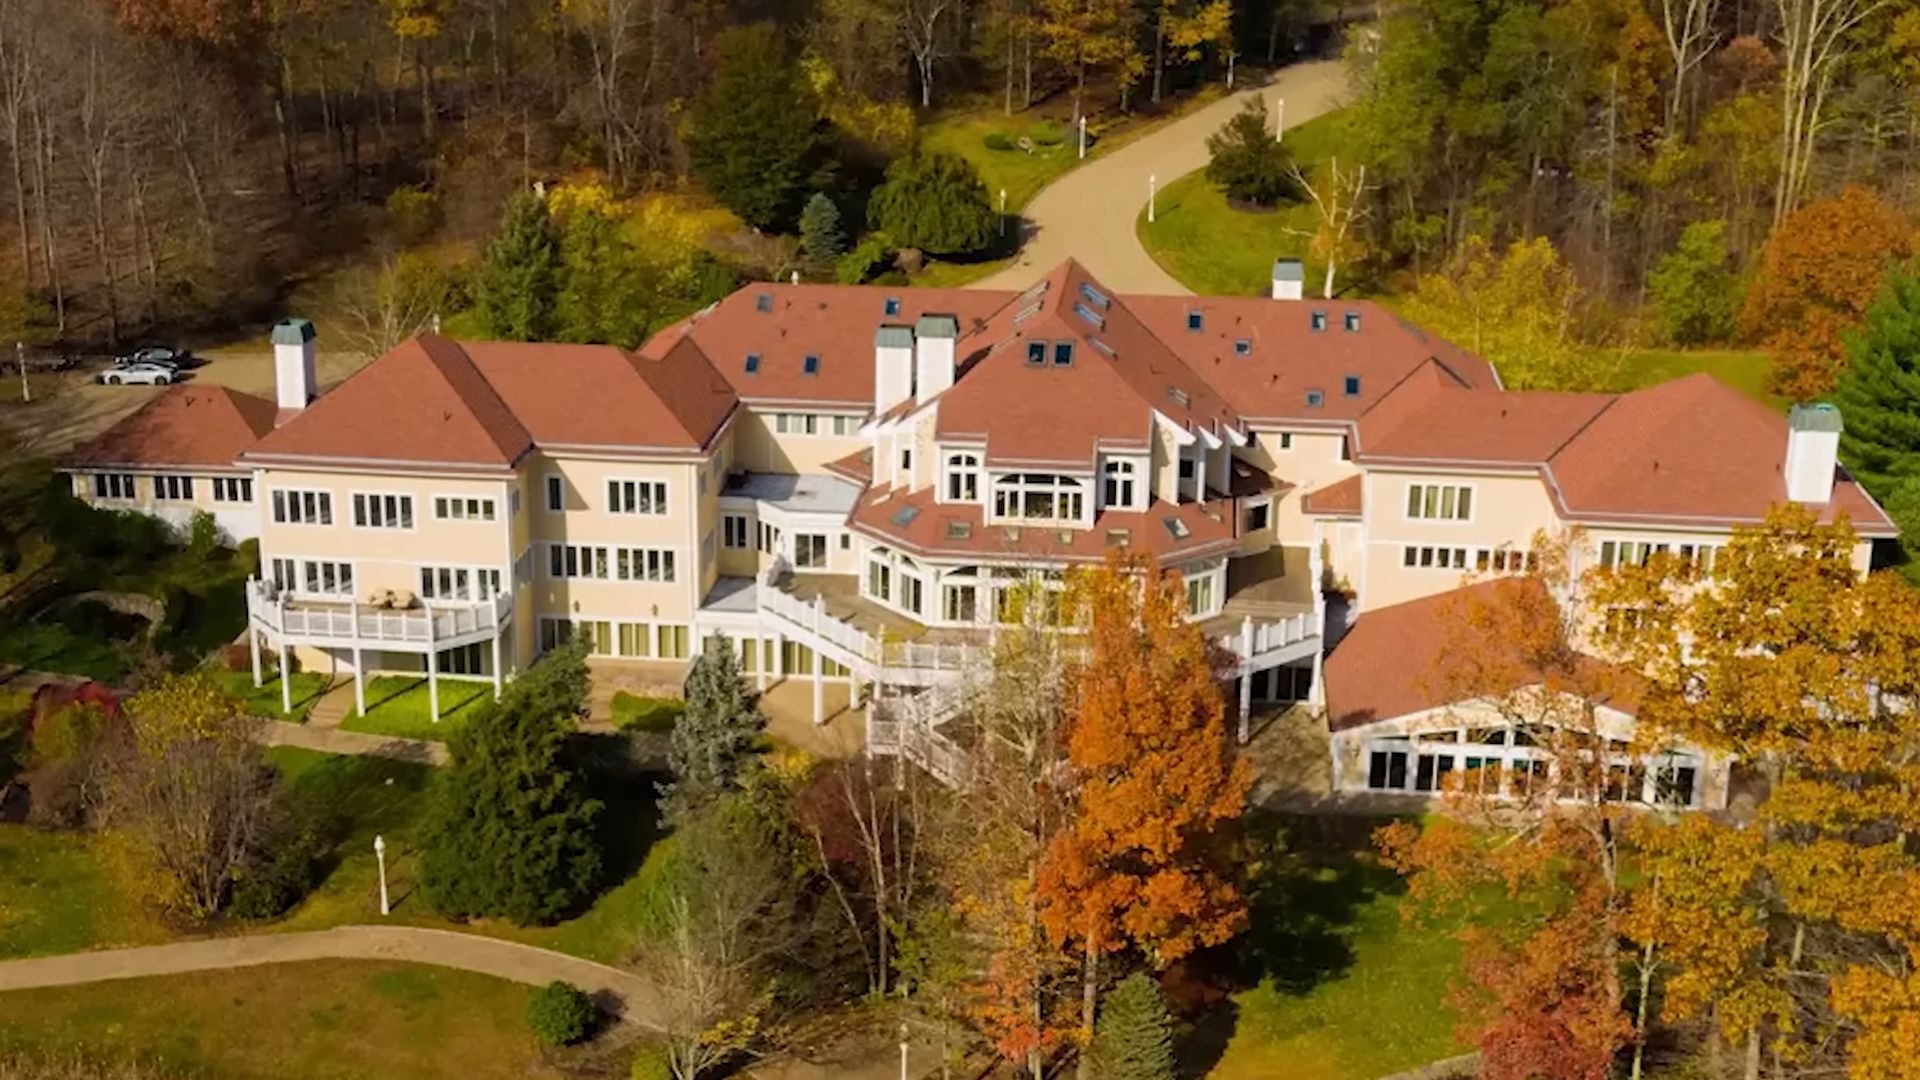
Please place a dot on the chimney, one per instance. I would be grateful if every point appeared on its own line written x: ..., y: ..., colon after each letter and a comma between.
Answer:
x: 935, y: 337
x: 892, y: 367
x: 293, y: 363
x: 1289, y: 279
x: 1813, y: 452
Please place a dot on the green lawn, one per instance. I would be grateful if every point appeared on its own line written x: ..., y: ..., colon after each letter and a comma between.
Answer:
x: 57, y: 645
x: 57, y: 895
x: 1341, y: 987
x: 1216, y: 250
x: 316, y: 1020
x: 1745, y: 370
x: 646, y: 713
x: 264, y: 700
x: 1021, y: 173
x: 399, y: 705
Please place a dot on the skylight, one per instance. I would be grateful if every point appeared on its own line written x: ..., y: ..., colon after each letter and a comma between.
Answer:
x: 1178, y: 395
x: 763, y: 301
x: 1062, y: 353
x: 753, y: 363
x: 905, y: 515
x: 893, y: 305
x: 1094, y: 296
x: 1353, y: 386
x: 959, y: 529
x: 1196, y: 321
x: 1119, y: 537
x: 1353, y: 322
x: 1319, y: 320
x: 1026, y: 313
x: 1176, y: 528
x: 811, y: 365
x: 1036, y: 354
x: 1092, y: 316
x: 1243, y: 347
x: 1101, y: 345
x: 1315, y: 398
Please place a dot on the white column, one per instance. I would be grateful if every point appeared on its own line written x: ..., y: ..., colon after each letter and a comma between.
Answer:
x: 1316, y: 694
x: 433, y: 679
x: 359, y: 680
x: 819, y: 688
x: 1246, y: 679
x: 286, y: 679
x: 760, y: 665
x: 496, y: 662
x: 253, y: 648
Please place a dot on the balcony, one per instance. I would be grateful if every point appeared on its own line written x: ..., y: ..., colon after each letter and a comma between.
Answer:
x: 433, y: 626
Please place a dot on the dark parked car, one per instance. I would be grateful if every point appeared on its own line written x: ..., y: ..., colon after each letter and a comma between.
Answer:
x: 163, y: 355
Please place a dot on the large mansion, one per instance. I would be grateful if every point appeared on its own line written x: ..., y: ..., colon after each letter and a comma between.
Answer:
x: 849, y: 480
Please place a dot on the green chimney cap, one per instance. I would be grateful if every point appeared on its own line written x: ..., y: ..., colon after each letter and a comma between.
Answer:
x: 293, y: 332
x: 1821, y: 417
x: 894, y: 337
x: 937, y: 326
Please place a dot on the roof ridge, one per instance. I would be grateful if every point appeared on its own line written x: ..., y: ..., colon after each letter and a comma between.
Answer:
x: 1574, y: 435
x: 431, y: 344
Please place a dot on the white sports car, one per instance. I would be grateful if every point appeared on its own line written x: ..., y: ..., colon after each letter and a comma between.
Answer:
x: 138, y: 374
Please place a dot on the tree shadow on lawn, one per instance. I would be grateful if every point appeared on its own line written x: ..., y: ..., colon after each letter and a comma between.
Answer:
x: 1313, y: 875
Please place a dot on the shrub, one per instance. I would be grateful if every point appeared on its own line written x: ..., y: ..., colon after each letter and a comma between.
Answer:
x: 651, y: 1063
x: 203, y: 536
x: 271, y: 887
x: 1245, y: 161
x: 1694, y: 286
x: 820, y: 232
x: 934, y: 202
x: 998, y: 140
x: 561, y: 1014
x: 237, y: 657
x: 415, y: 213
x: 871, y: 256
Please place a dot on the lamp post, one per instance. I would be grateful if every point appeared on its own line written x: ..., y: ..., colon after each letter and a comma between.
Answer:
x: 1083, y: 135
x: 1003, y: 211
x: 1279, y: 117
x: 1153, y: 191
x: 903, y: 1050
x: 20, y: 354
x: 380, y: 854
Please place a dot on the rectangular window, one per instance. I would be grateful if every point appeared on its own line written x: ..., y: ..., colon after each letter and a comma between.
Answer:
x: 636, y: 639
x: 734, y: 530
x: 513, y: 501
x: 459, y: 583
x: 173, y: 488
x: 113, y: 485
x: 1258, y: 517
x: 295, y: 507
x: 1617, y: 553
x: 1435, y: 558
x: 796, y: 423
x: 1200, y: 594
x: 643, y: 564
x: 673, y: 642
x: 1439, y: 502
x: 809, y: 550
x: 1387, y: 770
x: 233, y: 489
x: 910, y: 593
x: 325, y: 578
x: 284, y: 576
x: 636, y: 497
x: 846, y: 425
x: 382, y: 511
x: 577, y: 561
x: 556, y: 494
x: 459, y: 508
x: 960, y: 603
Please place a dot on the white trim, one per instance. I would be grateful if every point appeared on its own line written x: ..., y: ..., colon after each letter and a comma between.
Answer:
x: 274, y: 504
x: 403, y: 498
x: 493, y: 503
x: 663, y: 506
x: 1473, y: 501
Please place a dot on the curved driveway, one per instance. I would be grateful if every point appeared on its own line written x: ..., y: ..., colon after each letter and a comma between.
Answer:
x: 1089, y: 213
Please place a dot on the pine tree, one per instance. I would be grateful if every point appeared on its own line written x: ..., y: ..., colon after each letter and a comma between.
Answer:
x: 820, y: 229
x: 1246, y: 162
x: 934, y: 202
x: 509, y: 829
x: 1135, y: 1038
x: 717, y: 737
x: 1879, y: 391
x: 754, y: 140
x: 519, y: 274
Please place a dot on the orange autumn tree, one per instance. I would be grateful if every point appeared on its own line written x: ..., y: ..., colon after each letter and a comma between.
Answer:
x: 1142, y: 862
x: 1797, y: 932
x: 1527, y: 859
x: 1820, y: 270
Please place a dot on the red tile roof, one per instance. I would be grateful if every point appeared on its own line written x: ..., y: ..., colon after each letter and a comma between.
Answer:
x: 914, y: 522
x: 191, y: 424
x: 603, y: 396
x: 1338, y: 499
x: 1389, y: 664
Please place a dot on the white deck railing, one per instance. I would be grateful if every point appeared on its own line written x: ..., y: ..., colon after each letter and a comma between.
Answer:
x: 283, y: 617
x: 910, y: 726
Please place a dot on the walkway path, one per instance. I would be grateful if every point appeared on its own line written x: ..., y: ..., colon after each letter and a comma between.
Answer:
x: 1089, y: 213
x: 335, y: 741
x: 626, y: 995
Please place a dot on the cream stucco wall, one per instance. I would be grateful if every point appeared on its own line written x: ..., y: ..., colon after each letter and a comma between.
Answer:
x: 1507, y: 511
x: 388, y: 558
x: 758, y: 448
x: 586, y: 520
x: 237, y: 520
x: 1311, y: 461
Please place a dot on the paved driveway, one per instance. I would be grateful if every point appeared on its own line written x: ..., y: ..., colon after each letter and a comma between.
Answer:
x: 1089, y: 213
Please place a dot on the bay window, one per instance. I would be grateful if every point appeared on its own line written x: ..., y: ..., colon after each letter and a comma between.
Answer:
x: 1039, y: 497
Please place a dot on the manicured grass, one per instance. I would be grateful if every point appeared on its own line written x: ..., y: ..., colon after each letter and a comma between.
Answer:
x: 315, y: 1020
x: 1216, y: 250
x: 57, y: 895
x: 55, y: 645
x: 1746, y: 370
x: 264, y: 700
x: 400, y: 705
x: 646, y: 713
x: 1022, y: 174
x: 1346, y: 989
x: 940, y: 274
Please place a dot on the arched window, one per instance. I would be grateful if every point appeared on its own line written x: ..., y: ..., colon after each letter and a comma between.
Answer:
x: 963, y: 478
x: 1038, y: 497
x: 1119, y: 485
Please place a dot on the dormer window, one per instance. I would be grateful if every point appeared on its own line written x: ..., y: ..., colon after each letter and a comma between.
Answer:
x: 893, y: 305
x: 1036, y: 354
x: 1319, y: 321
x: 1119, y: 485
x: 753, y: 363
x: 1315, y: 399
x: 811, y: 365
x: 1353, y: 386
x: 1094, y: 296
x: 1062, y: 354
x: 1353, y: 322
x: 763, y: 302
x: 1178, y: 396
x: 1243, y: 347
x: 1196, y: 321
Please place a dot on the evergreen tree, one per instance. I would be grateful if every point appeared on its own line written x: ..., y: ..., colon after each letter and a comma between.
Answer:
x: 755, y: 141
x: 1134, y: 1040
x: 1879, y: 389
x: 1247, y: 163
x: 934, y: 202
x: 1694, y: 286
x: 820, y: 229
x: 519, y: 273
x: 509, y: 829
x: 718, y: 735
x: 608, y: 292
